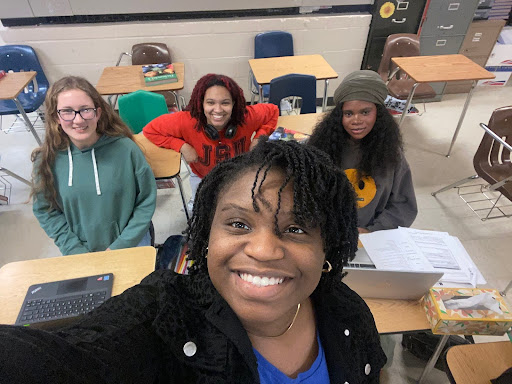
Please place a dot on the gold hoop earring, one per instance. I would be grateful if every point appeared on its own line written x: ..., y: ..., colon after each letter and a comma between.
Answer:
x: 329, y: 267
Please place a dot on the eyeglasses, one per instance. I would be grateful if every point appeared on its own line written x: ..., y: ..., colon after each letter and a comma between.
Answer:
x: 70, y: 114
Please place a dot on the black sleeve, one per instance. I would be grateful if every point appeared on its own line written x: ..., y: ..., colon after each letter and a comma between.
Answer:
x: 113, y: 344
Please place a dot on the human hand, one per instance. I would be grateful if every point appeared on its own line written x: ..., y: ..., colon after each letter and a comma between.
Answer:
x: 189, y: 153
x: 254, y: 142
x: 362, y: 230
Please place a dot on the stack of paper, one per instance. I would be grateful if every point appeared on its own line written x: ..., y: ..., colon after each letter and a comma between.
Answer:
x: 419, y: 250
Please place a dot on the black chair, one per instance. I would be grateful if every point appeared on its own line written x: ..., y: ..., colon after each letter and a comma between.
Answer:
x: 294, y: 84
x: 269, y: 44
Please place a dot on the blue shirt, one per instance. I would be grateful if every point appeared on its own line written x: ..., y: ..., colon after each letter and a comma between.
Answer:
x: 317, y: 374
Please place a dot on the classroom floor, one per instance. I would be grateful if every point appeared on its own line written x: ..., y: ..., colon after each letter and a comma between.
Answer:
x: 427, y: 137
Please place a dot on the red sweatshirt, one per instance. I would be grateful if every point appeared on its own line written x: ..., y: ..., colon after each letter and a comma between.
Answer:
x: 174, y: 130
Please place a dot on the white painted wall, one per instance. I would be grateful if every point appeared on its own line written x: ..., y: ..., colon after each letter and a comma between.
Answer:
x: 205, y: 46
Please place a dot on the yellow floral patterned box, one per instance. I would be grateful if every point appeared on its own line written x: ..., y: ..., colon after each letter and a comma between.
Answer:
x: 467, y: 311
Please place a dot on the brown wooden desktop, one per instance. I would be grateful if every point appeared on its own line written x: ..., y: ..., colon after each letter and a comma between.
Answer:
x: 129, y: 267
x: 479, y: 363
x: 264, y: 70
x: 11, y: 85
x: 431, y: 69
x: 128, y: 78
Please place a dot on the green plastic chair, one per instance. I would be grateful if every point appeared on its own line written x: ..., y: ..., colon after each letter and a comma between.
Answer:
x: 140, y: 107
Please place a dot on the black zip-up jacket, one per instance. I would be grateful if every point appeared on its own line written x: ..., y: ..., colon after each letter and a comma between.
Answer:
x: 177, y: 329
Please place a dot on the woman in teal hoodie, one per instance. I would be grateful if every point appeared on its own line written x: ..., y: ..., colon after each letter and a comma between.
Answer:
x: 93, y: 188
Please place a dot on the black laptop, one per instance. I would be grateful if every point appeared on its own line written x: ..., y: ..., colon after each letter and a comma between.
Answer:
x: 63, y: 300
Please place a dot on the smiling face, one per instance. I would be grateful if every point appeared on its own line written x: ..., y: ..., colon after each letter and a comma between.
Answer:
x: 82, y: 133
x: 217, y: 106
x: 262, y: 276
x: 358, y: 118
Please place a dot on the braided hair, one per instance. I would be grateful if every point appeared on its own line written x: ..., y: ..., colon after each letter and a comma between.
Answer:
x: 381, y: 149
x: 322, y: 196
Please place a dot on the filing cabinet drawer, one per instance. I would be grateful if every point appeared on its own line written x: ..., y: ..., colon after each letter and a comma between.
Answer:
x: 375, y: 49
x: 448, y: 17
x: 440, y: 45
x: 481, y: 37
x: 400, y: 17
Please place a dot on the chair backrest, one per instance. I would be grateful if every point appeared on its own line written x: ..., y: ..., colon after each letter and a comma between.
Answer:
x: 273, y: 44
x: 23, y: 58
x: 294, y: 84
x: 150, y: 53
x: 140, y: 107
x: 491, y: 161
x: 398, y: 45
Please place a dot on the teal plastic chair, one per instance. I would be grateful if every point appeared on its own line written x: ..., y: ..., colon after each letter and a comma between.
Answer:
x: 140, y: 107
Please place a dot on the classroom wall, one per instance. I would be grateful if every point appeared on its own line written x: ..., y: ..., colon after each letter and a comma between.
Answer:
x: 205, y: 46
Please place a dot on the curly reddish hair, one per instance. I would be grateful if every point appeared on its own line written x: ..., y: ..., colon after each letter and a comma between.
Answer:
x: 195, y: 105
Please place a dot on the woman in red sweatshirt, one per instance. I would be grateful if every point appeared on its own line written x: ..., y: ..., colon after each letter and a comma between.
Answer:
x: 215, y: 126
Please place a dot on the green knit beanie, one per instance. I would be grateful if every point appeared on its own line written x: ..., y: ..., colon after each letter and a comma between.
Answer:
x: 361, y: 85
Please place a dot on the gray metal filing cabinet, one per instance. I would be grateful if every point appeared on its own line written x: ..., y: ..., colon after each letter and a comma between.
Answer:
x: 443, y: 29
x: 389, y: 17
x: 477, y: 46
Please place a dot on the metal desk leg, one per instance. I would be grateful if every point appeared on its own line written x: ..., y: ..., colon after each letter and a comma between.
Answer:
x: 461, y: 118
x: 27, y: 121
x: 434, y: 357
x: 324, y: 101
x: 408, y: 103
x: 16, y: 176
x: 178, y: 104
x: 260, y: 89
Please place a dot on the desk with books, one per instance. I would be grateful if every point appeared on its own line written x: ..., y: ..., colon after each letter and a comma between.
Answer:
x: 129, y: 78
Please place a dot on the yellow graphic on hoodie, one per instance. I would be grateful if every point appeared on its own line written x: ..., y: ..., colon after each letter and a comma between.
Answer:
x: 365, y: 188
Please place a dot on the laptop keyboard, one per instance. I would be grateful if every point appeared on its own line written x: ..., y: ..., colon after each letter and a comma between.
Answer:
x: 39, y: 310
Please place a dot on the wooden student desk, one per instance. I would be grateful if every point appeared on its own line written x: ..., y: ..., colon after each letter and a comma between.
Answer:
x: 129, y: 267
x: 479, y: 363
x: 128, y: 78
x: 432, y: 69
x: 264, y: 70
x: 301, y: 123
x: 11, y: 85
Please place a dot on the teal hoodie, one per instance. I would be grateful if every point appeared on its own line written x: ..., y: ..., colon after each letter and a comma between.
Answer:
x: 107, y: 196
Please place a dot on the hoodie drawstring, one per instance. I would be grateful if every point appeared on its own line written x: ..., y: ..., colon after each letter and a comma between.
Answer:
x: 70, y: 176
x: 96, y: 178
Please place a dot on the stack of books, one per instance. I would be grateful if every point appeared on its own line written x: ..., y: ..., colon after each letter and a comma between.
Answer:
x: 158, y: 74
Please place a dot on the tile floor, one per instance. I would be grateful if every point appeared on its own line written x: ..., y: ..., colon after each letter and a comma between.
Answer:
x: 427, y: 137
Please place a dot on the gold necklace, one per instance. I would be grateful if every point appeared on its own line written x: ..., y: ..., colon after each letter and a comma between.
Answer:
x: 291, y: 324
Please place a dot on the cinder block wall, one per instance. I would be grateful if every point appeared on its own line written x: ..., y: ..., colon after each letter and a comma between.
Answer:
x: 205, y: 46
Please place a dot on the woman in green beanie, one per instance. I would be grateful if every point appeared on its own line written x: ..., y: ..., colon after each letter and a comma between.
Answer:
x: 362, y: 138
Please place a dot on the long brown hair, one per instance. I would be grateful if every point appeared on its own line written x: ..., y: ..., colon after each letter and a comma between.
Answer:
x: 109, y: 124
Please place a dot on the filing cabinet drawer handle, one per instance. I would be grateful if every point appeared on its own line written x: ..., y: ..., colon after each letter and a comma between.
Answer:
x: 440, y: 43
x: 448, y: 27
x: 399, y: 21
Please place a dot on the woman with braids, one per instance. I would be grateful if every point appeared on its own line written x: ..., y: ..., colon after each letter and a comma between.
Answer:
x: 363, y: 139
x: 264, y: 302
x: 215, y: 126
x: 93, y: 188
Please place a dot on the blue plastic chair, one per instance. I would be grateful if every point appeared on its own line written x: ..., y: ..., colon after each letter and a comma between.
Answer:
x: 270, y: 44
x: 22, y: 58
x: 294, y: 84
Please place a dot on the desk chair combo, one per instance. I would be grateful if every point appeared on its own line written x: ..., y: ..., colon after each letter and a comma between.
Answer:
x: 269, y: 44
x: 23, y: 58
x: 153, y: 53
x: 493, y: 164
x: 399, y: 84
x: 293, y: 85
x: 136, y: 110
